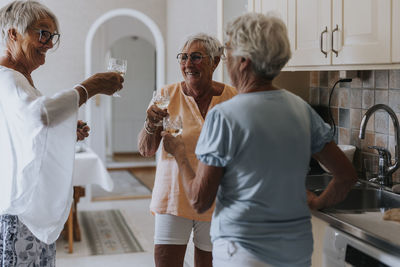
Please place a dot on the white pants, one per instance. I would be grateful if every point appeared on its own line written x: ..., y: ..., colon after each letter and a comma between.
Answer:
x: 174, y: 230
x: 229, y: 253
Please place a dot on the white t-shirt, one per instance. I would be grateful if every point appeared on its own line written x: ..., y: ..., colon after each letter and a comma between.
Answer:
x: 37, y: 141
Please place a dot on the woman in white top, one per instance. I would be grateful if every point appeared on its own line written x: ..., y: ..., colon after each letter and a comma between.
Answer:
x: 37, y: 137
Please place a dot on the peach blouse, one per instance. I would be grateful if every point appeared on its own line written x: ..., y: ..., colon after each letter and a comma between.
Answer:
x: 168, y: 195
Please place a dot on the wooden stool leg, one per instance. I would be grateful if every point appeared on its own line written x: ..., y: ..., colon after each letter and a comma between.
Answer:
x: 70, y: 231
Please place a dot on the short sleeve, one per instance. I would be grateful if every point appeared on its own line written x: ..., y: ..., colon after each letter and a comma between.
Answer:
x: 321, y: 132
x: 215, y: 145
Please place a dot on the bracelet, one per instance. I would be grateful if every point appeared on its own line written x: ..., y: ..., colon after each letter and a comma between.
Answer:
x: 84, y: 88
x: 147, y: 128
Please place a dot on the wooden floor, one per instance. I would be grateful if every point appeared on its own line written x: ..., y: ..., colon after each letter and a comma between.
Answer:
x: 127, y: 157
x: 145, y: 175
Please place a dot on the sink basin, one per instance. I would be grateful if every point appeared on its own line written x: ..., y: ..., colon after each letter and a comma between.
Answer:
x: 368, y: 199
x: 318, y: 182
x: 362, y: 197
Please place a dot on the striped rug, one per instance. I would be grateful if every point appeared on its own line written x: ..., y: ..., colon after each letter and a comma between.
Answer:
x: 107, y: 232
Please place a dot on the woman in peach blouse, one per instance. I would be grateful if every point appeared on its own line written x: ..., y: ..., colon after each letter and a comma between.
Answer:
x: 190, y: 99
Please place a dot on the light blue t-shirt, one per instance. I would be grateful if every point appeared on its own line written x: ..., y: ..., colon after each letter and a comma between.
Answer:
x: 264, y: 141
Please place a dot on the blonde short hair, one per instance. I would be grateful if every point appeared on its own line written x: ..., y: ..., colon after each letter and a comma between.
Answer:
x: 261, y: 38
x: 20, y: 15
x: 212, y: 45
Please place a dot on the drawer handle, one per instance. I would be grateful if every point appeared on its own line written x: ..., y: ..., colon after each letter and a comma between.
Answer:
x: 333, y: 50
x: 321, y: 42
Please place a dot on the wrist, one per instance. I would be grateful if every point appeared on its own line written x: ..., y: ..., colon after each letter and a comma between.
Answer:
x: 83, y: 92
x: 149, y: 127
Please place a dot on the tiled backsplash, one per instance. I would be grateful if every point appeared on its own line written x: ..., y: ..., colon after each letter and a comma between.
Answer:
x: 349, y: 103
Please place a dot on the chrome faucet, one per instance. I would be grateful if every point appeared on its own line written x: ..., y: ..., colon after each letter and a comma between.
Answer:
x: 386, y: 169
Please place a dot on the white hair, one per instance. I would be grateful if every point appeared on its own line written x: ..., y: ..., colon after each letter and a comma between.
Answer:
x: 261, y: 38
x: 213, y: 47
x: 20, y: 15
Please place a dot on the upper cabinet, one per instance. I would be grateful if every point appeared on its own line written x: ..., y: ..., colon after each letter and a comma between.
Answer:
x: 396, y: 31
x: 361, y: 31
x: 339, y: 34
x: 310, y: 31
x: 278, y: 7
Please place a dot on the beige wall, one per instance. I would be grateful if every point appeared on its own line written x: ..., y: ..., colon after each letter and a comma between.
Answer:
x: 295, y: 82
x: 185, y: 17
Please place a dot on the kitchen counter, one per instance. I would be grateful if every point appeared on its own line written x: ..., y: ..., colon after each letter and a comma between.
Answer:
x: 366, y: 226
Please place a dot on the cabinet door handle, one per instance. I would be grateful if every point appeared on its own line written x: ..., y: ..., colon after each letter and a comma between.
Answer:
x: 321, y: 42
x: 335, y: 30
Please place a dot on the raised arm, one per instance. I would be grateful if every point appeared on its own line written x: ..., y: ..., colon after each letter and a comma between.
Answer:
x: 61, y: 105
x: 344, y: 177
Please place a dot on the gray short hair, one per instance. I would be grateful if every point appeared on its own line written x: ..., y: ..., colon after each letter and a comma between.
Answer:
x: 261, y: 38
x: 212, y: 45
x: 20, y: 15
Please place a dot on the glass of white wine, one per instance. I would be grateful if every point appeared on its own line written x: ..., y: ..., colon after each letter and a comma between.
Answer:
x: 161, y: 100
x: 173, y: 126
x: 119, y: 66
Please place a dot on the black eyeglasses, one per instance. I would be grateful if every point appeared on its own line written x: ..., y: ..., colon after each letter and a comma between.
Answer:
x: 195, y: 57
x: 46, y: 36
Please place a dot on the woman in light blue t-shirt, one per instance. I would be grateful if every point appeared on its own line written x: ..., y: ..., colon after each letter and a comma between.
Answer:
x: 254, y: 152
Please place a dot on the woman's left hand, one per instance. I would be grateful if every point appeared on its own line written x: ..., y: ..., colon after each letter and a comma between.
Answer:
x: 82, y: 130
x: 173, y: 145
x: 312, y: 201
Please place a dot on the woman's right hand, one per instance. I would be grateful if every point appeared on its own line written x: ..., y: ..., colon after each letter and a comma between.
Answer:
x: 155, y: 115
x: 106, y: 83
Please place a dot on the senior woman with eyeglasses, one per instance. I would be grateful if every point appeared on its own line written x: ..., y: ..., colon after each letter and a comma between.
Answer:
x: 37, y: 137
x: 190, y: 99
x: 254, y: 152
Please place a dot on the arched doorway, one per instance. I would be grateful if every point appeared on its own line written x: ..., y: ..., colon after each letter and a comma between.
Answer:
x: 108, y: 28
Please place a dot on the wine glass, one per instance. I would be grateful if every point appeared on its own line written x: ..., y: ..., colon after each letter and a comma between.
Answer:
x: 173, y: 126
x: 119, y: 66
x: 161, y: 100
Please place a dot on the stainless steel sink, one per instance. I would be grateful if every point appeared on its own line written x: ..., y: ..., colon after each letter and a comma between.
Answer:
x: 318, y: 182
x: 363, y: 197
x: 368, y: 199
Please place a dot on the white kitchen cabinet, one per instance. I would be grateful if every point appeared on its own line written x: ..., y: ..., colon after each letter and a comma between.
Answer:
x: 278, y: 7
x: 396, y: 31
x: 227, y: 11
x: 318, y: 229
x: 360, y: 32
x: 337, y: 34
x: 363, y: 31
x: 309, y: 30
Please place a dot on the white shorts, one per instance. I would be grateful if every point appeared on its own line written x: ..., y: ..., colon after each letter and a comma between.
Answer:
x: 229, y: 253
x: 175, y: 230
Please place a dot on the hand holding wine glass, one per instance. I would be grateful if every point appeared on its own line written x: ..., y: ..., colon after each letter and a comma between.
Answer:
x: 161, y: 100
x: 119, y: 66
x: 172, y: 135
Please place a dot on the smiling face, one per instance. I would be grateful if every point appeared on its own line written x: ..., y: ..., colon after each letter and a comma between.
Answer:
x: 28, y: 51
x: 198, y: 74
